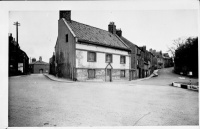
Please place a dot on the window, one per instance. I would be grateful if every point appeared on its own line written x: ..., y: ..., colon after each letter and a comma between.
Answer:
x: 91, y: 57
x: 66, y: 37
x: 122, y: 73
x: 91, y: 73
x: 122, y: 59
x: 109, y: 58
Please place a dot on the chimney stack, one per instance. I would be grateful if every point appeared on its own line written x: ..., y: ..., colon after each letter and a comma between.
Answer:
x: 144, y: 48
x: 40, y: 58
x: 112, y: 28
x: 33, y: 60
x: 119, y: 32
x: 65, y: 14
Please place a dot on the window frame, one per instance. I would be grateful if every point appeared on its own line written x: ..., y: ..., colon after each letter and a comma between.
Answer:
x: 121, y: 73
x: 66, y: 38
x: 95, y: 56
x: 89, y: 77
x: 124, y: 59
x: 106, y: 58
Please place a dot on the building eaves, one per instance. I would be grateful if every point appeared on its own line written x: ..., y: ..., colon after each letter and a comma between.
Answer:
x: 103, y: 45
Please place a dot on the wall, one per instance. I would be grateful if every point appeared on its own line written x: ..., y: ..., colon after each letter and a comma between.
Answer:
x: 82, y: 65
x: 81, y: 57
x: 65, y: 52
x: 37, y: 67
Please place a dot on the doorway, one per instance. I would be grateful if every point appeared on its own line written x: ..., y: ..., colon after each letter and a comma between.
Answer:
x: 41, y: 71
x: 108, y: 75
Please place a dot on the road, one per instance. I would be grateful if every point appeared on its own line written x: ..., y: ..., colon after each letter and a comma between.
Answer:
x: 35, y: 100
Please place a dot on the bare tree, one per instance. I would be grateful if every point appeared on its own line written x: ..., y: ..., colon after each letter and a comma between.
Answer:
x: 176, y: 44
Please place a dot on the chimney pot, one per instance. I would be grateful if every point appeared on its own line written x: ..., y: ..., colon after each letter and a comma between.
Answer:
x: 119, y: 32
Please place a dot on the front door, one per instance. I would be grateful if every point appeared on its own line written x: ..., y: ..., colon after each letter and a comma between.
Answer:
x: 108, y: 75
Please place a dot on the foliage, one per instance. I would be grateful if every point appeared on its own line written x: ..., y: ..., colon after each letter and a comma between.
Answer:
x: 186, y: 57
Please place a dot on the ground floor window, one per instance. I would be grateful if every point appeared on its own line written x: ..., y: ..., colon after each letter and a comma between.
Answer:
x: 91, y: 73
x: 122, y: 73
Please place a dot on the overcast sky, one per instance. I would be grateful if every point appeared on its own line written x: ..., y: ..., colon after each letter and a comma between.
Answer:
x: 154, y: 28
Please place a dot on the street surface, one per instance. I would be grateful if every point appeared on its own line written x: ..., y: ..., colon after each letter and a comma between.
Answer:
x: 35, y: 100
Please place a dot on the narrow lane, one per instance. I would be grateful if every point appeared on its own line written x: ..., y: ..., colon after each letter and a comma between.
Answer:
x: 165, y: 78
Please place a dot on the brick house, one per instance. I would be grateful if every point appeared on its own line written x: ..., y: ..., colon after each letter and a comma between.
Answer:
x: 18, y: 59
x: 153, y: 61
x: 133, y: 54
x: 83, y: 52
x: 140, y: 62
x: 160, y: 60
x: 39, y: 66
x: 168, y: 62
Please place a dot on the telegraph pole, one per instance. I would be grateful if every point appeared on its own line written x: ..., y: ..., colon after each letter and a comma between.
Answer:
x: 17, y: 56
x: 16, y: 24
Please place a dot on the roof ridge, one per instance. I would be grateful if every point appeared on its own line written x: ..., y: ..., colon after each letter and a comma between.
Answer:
x: 128, y: 40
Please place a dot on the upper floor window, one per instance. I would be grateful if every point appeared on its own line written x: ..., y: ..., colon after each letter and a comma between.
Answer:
x: 66, y: 38
x: 91, y: 56
x: 109, y: 58
x: 122, y: 59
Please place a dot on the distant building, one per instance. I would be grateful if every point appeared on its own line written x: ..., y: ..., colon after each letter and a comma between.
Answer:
x: 39, y: 66
x: 168, y: 61
x: 141, y: 63
x: 133, y: 67
x: 160, y: 60
x: 18, y: 59
x: 52, y: 65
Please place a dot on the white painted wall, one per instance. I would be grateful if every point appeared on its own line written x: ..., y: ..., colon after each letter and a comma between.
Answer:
x: 81, y: 57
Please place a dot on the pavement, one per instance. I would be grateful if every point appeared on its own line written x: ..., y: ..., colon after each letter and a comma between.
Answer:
x: 53, y: 78
x: 185, y: 86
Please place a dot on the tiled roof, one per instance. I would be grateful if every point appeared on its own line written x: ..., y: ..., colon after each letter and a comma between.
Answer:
x: 39, y: 62
x: 129, y: 43
x: 95, y: 35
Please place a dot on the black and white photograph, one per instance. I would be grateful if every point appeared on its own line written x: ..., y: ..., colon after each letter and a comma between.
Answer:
x: 100, y: 64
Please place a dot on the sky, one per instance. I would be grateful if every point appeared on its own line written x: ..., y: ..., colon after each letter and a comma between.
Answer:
x: 154, y: 29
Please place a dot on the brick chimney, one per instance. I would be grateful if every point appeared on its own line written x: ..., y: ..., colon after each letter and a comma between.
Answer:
x: 144, y: 48
x: 65, y: 14
x: 40, y: 58
x: 112, y: 28
x: 119, y: 32
x: 33, y: 60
